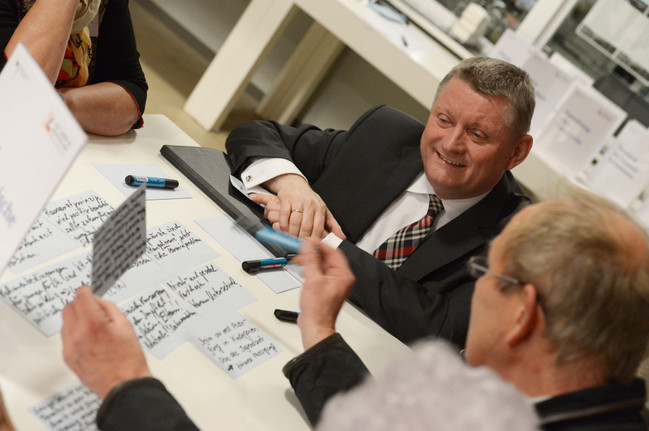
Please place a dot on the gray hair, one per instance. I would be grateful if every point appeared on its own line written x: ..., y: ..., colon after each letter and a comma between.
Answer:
x: 589, y: 263
x: 497, y: 78
x: 432, y: 390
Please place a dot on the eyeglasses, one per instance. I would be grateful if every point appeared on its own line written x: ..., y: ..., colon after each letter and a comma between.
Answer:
x: 478, y: 266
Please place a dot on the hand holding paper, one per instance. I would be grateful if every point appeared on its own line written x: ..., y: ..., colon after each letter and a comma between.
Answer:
x: 99, y: 343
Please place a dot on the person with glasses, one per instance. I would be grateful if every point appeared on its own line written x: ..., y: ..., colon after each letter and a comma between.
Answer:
x: 560, y: 310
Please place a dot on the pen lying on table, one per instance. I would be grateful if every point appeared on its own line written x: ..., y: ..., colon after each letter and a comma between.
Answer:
x: 286, y: 316
x: 254, y: 266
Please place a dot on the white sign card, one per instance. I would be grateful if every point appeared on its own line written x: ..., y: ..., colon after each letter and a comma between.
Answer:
x: 40, y: 139
x: 119, y: 242
x: 512, y: 48
x: 623, y: 171
x: 551, y: 83
x: 573, y: 135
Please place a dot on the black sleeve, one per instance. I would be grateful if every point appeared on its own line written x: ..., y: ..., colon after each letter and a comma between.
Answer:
x: 406, y: 309
x: 8, y: 23
x: 327, y: 368
x: 142, y: 405
x: 118, y: 60
x: 308, y: 147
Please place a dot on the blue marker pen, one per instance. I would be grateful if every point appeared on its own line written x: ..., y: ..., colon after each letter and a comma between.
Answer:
x: 270, y: 235
x: 154, y: 182
x: 254, y: 266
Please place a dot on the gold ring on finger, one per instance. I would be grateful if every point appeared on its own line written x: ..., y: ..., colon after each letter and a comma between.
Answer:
x: 296, y: 211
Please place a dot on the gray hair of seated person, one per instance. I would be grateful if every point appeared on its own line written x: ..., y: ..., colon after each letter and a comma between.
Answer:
x: 589, y: 263
x: 432, y: 390
x: 498, y: 79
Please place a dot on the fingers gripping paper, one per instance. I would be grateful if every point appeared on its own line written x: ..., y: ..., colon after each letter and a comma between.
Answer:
x: 119, y: 242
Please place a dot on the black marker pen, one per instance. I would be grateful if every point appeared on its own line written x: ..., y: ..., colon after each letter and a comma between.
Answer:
x: 154, y: 182
x: 286, y: 316
x: 254, y: 266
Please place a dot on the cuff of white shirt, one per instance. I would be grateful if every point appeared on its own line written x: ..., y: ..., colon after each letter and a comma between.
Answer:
x: 264, y: 169
x: 332, y: 240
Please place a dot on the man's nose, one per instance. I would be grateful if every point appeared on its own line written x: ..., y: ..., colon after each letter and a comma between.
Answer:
x: 455, y: 141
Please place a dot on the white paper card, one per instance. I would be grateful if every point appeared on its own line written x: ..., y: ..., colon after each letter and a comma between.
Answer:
x: 573, y: 135
x: 623, y: 171
x: 119, y: 242
x: 511, y: 48
x: 243, y: 246
x: 210, y: 290
x: 117, y: 173
x: 234, y: 344
x: 551, y: 83
x: 73, y: 409
x: 40, y: 139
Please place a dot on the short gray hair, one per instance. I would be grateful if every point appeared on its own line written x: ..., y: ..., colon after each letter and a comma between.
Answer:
x: 593, y: 281
x: 497, y: 78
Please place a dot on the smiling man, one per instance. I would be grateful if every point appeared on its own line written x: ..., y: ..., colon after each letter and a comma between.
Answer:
x: 407, y: 203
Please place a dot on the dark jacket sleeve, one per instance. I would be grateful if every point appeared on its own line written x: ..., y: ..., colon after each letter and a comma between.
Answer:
x: 327, y: 368
x: 9, y: 17
x: 142, y: 405
x: 308, y: 147
x: 118, y: 60
x: 407, y: 309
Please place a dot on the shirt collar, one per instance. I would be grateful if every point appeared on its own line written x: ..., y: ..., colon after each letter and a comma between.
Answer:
x: 452, y: 207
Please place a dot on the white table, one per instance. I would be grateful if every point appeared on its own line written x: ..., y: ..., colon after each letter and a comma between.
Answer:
x: 416, y: 66
x: 31, y: 365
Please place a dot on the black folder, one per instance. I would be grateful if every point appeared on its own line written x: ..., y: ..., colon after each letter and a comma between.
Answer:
x: 209, y: 169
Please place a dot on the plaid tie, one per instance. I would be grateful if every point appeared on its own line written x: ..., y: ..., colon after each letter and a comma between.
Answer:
x: 396, y: 249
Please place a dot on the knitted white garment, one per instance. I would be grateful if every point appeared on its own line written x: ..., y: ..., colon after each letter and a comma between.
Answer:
x: 434, y: 390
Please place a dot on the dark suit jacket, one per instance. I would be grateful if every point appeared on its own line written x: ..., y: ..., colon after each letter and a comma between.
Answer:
x: 359, y: 173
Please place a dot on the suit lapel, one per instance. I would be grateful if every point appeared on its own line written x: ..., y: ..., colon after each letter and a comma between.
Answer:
x: 358, y: 193
x: 470, y: 230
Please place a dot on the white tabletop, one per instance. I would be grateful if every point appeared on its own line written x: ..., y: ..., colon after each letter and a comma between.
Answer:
x: 31, y: 365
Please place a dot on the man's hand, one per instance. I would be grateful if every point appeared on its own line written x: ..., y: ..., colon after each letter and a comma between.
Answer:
x: 99, y: 343
x: 297, y: 209
x: 327, y: 283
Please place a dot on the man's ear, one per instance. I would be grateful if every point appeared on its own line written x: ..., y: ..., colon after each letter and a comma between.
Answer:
x: 528, y: 317
x: 521, y: 150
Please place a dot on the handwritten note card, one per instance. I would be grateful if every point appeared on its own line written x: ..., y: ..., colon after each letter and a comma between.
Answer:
x: 63, y: 226
x: 234, y: 344
x: 80, y: 215
x: 73, y: 409
x: 41, y: 295
x: 623, y: 171
x: 119, y: 242
x: 43, y: 242
x: 210, y: 290
x: 171, y: 248
x: 36, y: 149
x: 575, y: 133
x: 160, y: 320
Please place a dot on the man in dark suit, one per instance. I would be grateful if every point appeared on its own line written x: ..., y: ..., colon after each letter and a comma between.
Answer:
x: 367, y: 183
